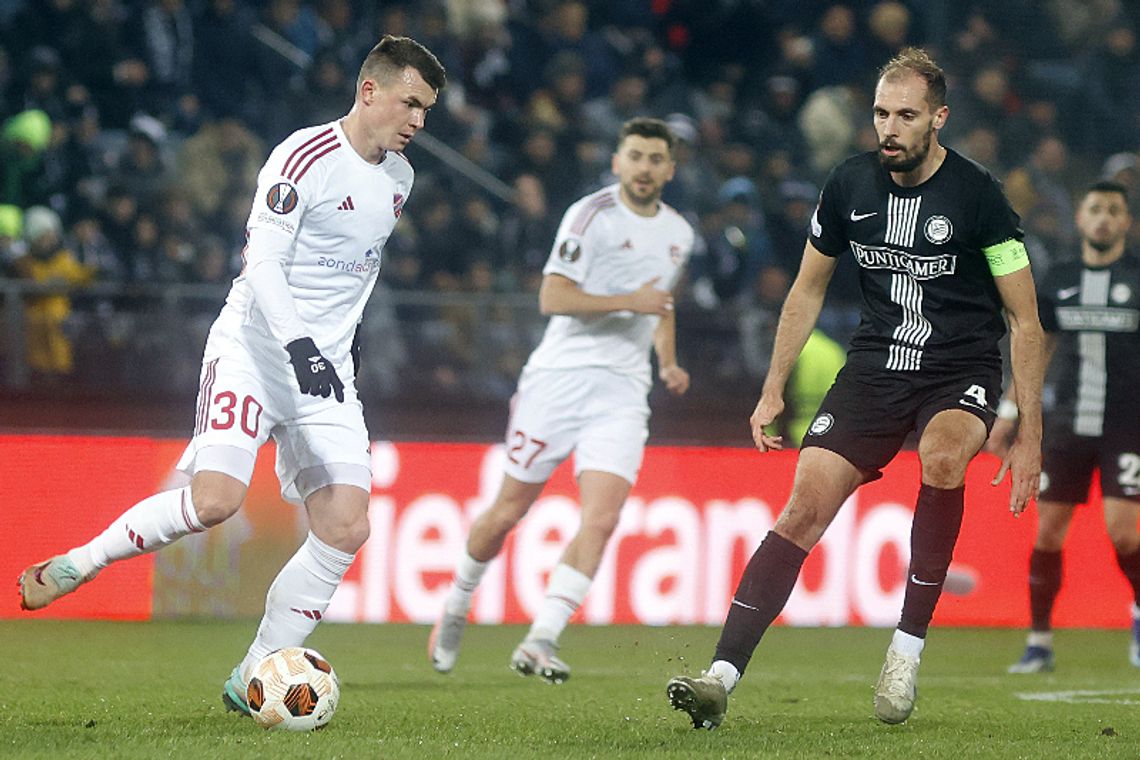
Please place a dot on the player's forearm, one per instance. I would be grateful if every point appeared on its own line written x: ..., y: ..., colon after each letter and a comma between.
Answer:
x: 665, y: 341
x: 564, y: 297
x: 265, y: 274
x: 271, y: 292
x: 1009, y: 398
x: 1027, y: 364
x: 797, y: 320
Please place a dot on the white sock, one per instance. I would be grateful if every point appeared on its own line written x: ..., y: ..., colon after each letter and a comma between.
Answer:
x: 1040, y: 639
x: 725, y: 672
x: 153, y: 523
x: 468, y: 573
x: 565, y: 591
x: 1135, y: 611
x: 298, y: 598
x: 908, y: 645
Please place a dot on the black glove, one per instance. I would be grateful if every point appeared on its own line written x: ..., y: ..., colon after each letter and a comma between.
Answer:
x: 315, y: 373
x: 356, y: 352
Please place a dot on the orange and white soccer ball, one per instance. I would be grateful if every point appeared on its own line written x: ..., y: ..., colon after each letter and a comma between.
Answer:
x: 293, y: 688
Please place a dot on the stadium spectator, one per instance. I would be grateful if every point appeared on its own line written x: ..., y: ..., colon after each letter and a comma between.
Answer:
x: 694, y: 178
x: 839, y: 55
x: 907, y: 372
x: 141, y: 167
x: 164, y: 34
x: 584, y: 388
x: 1091, y: 424
x: 605, y: 115
x: 739, y: 250
x: 218, y: 162
x: 11, y: 237
x: 1111, y: 75
x: 48, y: 262
x: 889, y: 25
x: 525, y: 234
x: 24, y: 139
x: 223, y: 60
x: 1041, y: 184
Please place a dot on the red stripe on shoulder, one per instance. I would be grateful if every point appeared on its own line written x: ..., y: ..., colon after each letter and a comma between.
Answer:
x: 302, y: 148
x: 314, y: 159
x: 587, y: 213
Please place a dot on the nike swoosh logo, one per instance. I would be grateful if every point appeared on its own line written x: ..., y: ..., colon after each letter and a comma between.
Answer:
x: 860, y: 217
x: 1068, y: 293
x: 914, y: 579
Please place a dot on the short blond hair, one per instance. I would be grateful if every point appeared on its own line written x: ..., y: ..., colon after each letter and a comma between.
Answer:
x: 914, y: 60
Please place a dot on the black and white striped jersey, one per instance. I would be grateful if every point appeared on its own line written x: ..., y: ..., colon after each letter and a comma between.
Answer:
x: 929, y: 299
x: 1095, y: 313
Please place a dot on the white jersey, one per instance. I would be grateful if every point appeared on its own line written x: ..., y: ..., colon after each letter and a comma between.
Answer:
x: 607, y: 249
x: 339, y: 211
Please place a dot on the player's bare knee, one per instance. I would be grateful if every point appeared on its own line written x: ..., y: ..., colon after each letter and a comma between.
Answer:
x: 355, y: 536
x: 214, y: 507
x: 215, y: 502
x: 943, y: 468
x: 496, y: 522
x: 344, y: 535
x: 601, y: 524
x: 1123, y: 535
x: 1049, y: 542
x: 800, y: 526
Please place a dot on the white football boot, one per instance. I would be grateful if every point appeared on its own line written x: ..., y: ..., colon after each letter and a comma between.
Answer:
x: 443, y: 644
x: 538, y: 657
x: 897, y: 688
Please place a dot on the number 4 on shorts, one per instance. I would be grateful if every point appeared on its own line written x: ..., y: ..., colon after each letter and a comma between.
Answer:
x: 978, y: 393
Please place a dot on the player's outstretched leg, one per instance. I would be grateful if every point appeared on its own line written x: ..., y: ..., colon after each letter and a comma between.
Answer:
x: 539, y: 657
x: 704, y: 698
x: 897, y: 689
x: 443, y: 644
x: 233, y: 693
x: 43, y: 583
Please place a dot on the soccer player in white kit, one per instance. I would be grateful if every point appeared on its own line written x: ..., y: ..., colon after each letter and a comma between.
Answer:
x: 617, y: 256
x: 279, y: 360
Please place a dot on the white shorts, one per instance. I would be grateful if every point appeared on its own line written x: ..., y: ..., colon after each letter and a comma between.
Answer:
x: 600, y: 415
x: 247, y: 392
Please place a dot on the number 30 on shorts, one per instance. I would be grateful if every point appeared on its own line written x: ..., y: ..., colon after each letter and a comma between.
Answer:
x: 520, y: 444
x: 225, y: 403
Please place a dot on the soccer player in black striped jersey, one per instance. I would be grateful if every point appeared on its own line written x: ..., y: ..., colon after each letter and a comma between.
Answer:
x: 940, y: 258
x: 1090, y: 309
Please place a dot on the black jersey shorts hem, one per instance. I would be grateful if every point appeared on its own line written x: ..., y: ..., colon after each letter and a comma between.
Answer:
x: 868, y: 413
x: 1068, y: 461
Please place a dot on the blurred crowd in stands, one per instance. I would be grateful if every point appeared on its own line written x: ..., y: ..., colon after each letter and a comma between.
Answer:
x: 131, y: 131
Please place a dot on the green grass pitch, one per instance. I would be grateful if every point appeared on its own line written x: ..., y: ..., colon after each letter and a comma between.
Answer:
x: 150, y: 690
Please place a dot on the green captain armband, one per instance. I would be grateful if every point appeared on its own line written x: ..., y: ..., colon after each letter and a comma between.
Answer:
x: 1006, y: 257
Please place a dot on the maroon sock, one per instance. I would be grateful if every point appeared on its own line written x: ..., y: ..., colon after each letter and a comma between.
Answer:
x: 763, y: 591
x: 937, y: 519
x: 1044, y: 584
x: 1130, y: 565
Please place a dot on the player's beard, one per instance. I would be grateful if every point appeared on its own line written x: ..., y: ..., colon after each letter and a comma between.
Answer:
x: 649, y: 198
x: 907, y: 161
